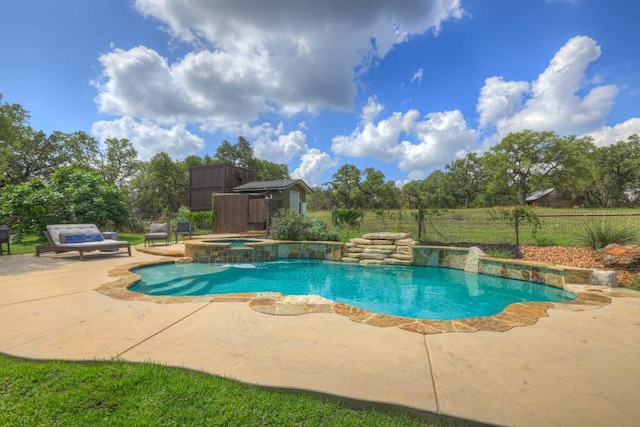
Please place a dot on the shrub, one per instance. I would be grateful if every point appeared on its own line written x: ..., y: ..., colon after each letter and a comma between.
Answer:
x: 499, y: 253
x: 598, y: 234
x: 288, y: 225
x: 199, y: 220
x: 69, y: 195
x: 347, y: 217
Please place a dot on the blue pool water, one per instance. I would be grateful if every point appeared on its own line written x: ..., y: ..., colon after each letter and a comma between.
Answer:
x: 419, y: 292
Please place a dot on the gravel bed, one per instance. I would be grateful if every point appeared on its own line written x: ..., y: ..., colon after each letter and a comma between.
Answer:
x: 573, y: 257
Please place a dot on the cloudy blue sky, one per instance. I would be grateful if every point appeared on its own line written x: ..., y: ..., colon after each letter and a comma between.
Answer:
x: 401, y: 86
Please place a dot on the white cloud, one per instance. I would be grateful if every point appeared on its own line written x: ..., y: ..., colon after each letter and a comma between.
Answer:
x: 377, y: 140
x: 148, y: 138
x: 251, y: 58
x: 274, y: 145
x: 371, y: 110
x: 313, y: 166
x: 609, y: 135
x: 553, y: 100
x: 499, y: 99
x: 417, y: 76
x: 441, y: 136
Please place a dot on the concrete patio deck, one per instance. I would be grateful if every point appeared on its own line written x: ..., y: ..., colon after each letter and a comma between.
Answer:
x: 570, y: 368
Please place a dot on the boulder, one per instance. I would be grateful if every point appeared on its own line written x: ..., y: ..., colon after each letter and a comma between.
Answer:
x: 361, y: 241
x: 372, y: 262
x: 385, y: 235
x: 625, y: 257
x: 405, y: 242
x: 604, y: 278
x: 381, y: 242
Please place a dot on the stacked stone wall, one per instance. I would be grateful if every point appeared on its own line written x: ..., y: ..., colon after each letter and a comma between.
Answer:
x: 380, y: 248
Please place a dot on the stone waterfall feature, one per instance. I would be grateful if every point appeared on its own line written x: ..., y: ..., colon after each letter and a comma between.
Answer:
x: 380, y: 248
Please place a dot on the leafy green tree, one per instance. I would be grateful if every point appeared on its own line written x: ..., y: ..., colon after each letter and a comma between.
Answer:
x: 14, y: 127
x: 466, y: 177
x: 346, y: 186
x: 159, y: 188
x: 527, y: 159
x: 269, y: 171
x: 431, y: 192
x: 574, y: 173
x: 118, y: 162
x: 26, y: 153
x: 239, y: 154
x: 69, y: 195
x: 321, y: 199
x: 415, y: 194
x: 617, y: 168
x: 378, y: 193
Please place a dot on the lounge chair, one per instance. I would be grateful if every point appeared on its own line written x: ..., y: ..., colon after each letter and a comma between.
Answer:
x: 79, y: 238
x: 183, y: 228
x: 158, y: 231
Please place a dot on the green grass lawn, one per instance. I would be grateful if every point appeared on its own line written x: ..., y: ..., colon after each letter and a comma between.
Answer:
x: 127, y: 394
x: 562, y: 227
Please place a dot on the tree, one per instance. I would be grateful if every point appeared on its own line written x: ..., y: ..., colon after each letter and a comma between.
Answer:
x: 29, y: 154
x: 13, y: 126
x: 321, y: 199
x: 415, y: 194
x: 378, y: 193
x: 240, y: 154
x: 431, y: 192
x: 268, y: 171
x: 521, y: 156
x: 574, y: 173
x: 346, y: 186
x: 118, y: 162
x: 617, y: 168
x: 69, y: 195
x: 159, y: 188
x: 466, y: 177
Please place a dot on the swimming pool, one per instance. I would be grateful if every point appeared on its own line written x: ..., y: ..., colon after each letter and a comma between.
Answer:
x: 418, y: 292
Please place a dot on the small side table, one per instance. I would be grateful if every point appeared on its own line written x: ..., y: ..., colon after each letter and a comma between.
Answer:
x: 5, y: 237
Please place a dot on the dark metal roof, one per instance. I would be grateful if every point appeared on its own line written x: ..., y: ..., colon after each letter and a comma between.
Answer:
x: 539, y: 194
x: 281, y: 184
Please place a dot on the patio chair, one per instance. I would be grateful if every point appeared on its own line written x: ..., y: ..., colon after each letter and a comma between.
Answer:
x: 158, y: 231
x: 183, y: 227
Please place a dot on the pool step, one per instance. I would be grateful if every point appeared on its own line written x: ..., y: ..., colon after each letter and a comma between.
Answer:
x: 188, y: 286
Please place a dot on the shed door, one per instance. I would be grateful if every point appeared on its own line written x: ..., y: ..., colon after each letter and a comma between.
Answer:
x: 294, y: 201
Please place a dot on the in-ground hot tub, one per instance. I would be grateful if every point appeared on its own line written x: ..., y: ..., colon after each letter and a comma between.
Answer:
x: 234, y: 243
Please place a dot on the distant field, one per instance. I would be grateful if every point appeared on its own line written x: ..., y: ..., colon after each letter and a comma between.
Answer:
x: 559, y: 226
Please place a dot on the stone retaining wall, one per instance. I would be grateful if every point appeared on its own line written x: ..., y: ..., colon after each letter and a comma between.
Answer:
x: 476, y: 261
x: 208, y: 252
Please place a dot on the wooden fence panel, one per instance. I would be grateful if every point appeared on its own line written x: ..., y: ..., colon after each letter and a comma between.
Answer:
x: 257, y: 210
x: 231, y: 213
